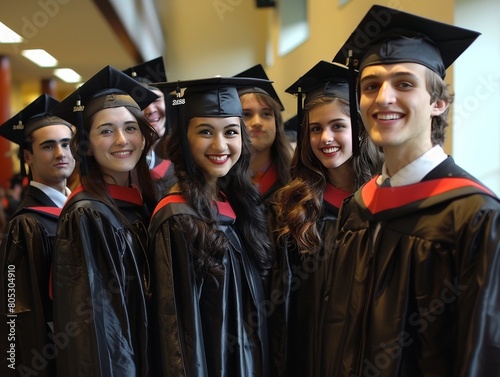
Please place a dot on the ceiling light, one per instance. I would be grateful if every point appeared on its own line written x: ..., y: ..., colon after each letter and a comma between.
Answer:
x: 67, y: 75
x: 8, y: 35
x: 40, y: 57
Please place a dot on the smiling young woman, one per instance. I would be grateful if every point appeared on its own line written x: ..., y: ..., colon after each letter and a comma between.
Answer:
x: 210, y: 247
x: 100, y: 270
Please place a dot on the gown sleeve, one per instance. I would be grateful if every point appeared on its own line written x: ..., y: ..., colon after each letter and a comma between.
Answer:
x: 99, y: 301
x: 179, y: 341
x: 477, y: 290
x: 25, y: 258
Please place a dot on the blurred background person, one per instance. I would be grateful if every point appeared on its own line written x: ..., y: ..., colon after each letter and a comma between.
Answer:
x: 271, y: 153
x: 157, y: 113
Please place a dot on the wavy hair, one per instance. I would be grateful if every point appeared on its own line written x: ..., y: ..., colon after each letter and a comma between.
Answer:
x: 299, y: 205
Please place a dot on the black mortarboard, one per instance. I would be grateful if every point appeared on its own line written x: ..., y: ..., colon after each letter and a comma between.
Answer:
x: 257, y: 72
x: 210, y: 97
x: 324, y: 79
x: 108, y: 88
x: 33, y: 117
x: 148, y: 72
x: 388, y: 36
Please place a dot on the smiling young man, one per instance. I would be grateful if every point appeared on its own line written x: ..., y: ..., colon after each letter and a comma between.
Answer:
x: 414, y: 283
x: 26, y: 252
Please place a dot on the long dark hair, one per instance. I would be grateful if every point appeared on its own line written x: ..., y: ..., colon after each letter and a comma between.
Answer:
x: 208, y: 242
x: 94, y: 182
x: 300, y: 204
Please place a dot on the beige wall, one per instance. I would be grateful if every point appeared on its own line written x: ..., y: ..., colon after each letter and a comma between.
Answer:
x: 476, y: 122
x: 228, y: 36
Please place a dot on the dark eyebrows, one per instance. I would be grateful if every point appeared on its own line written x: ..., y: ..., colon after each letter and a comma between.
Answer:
x: 392, y: 75
x: 264, y: 108
x: 112, y: 124
x: 50, y: 141
x: 212, y: 127
x: 331, y: 121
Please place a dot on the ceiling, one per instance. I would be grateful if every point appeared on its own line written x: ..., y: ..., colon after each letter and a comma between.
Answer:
x: 74, y: 32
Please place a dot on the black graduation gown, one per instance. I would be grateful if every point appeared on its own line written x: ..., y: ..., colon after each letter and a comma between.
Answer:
x: 163, y: 174
x: 297, y: 293
x: 421, y: 296
x: 204, y: 327
x: 101, y: 281
x: 26, y: 252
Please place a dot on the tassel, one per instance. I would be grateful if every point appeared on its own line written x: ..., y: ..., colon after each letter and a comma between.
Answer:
x: 353, y: 106
x: 300, y: 116
x: 183, y: 133
x: 82, y: 147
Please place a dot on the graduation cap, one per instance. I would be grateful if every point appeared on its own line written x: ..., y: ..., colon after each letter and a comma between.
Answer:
x: 148, y: 72
x: 292, y: 124
x: 210, y: 97
x: 324, y: 79
x: 33, y: 117
x: 257, y: 71
x: 388, y: 36
x: 109, y: 88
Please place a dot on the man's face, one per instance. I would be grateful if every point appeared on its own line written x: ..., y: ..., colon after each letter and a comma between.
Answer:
x: 51, y: 161
x: 396, y: 106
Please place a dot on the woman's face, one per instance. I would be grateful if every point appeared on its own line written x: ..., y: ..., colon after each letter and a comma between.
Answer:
x: 260, y: 122
x: 330, y: 134
x: 215, y: 144
x: 116, y: 143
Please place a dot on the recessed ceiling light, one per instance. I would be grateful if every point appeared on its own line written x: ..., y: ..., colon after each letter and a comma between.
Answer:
x: 40, y: 57
x: 67, y: 75
x: 7, y: 35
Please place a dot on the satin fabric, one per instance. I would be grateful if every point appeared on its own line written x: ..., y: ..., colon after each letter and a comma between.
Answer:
x: 28, y: 247
x: 101, y: 286
x: 204, y: 327
x: 298, y: 292
x: 414, y: 290
x: 267, y: 182
x: 163, y: 174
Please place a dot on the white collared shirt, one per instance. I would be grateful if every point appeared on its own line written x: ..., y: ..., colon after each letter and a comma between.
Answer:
x: 416, y: 170
x: 57, y: 197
